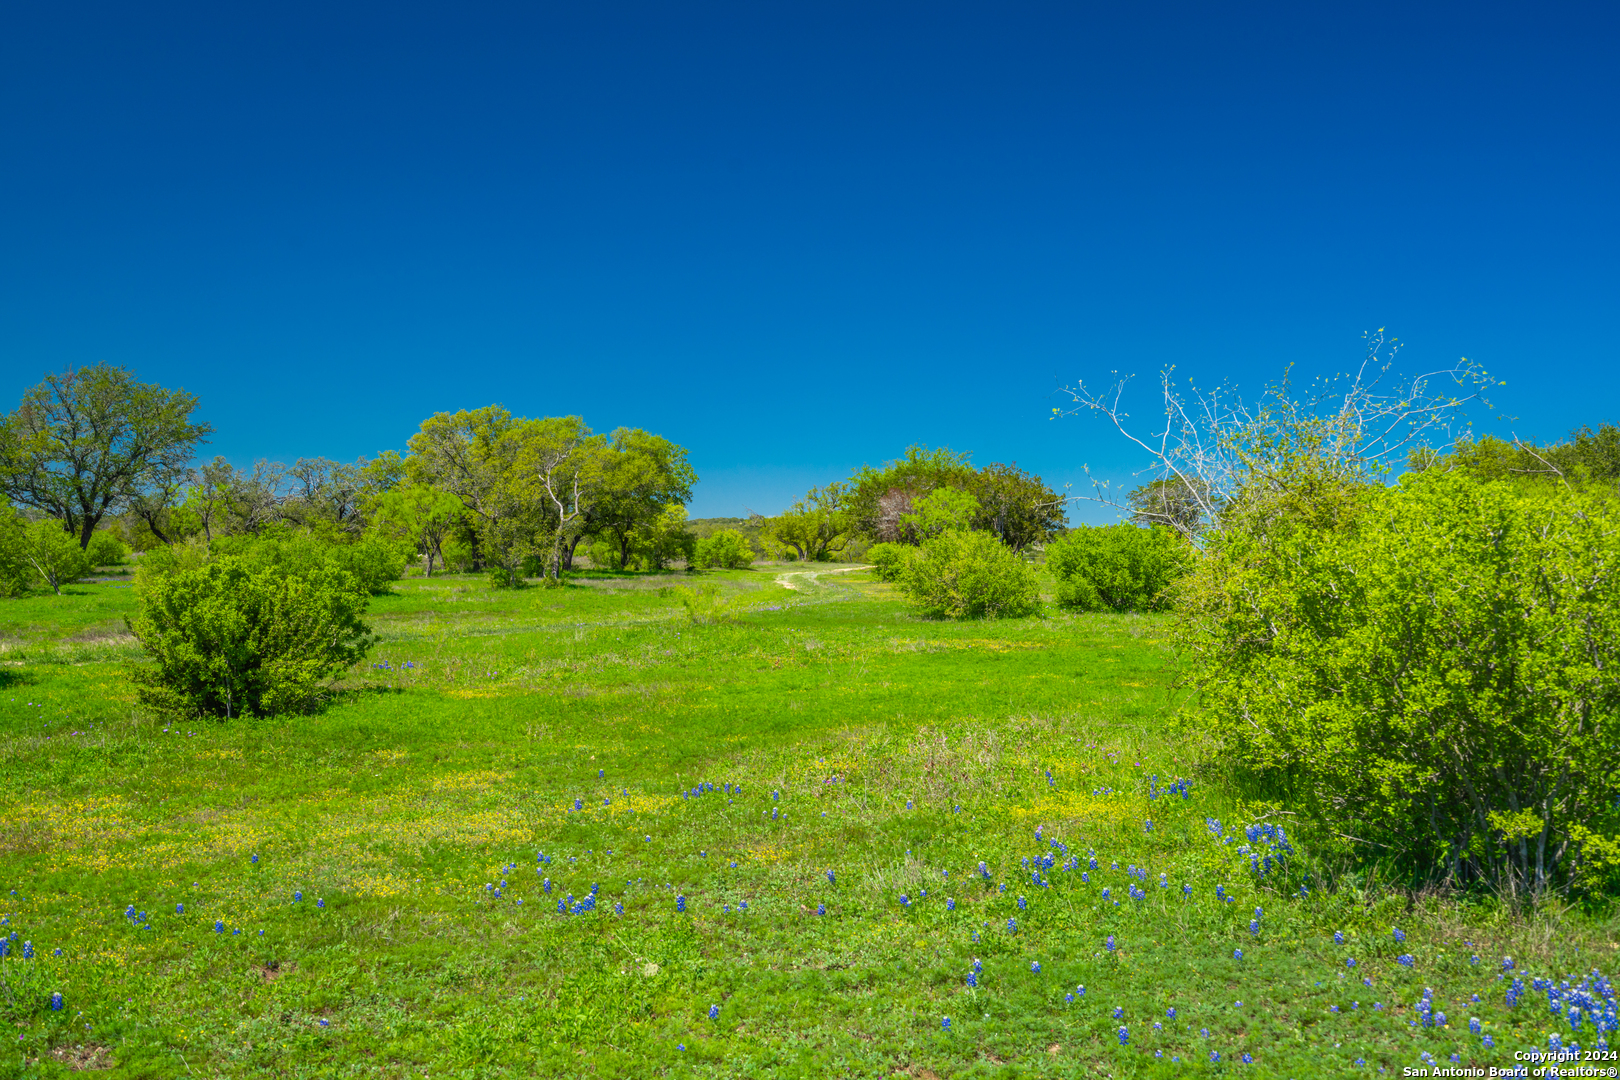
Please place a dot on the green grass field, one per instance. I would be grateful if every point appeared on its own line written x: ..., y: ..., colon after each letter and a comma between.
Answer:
x: 548, y: 832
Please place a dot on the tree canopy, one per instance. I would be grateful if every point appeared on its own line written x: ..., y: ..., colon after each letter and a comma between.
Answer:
x: 94, y: 442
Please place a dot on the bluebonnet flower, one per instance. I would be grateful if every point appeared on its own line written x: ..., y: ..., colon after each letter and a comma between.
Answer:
x: 972, y: 979
x: 742, y: 905
x: 56, y: 952
x: 1507, y: 963
x: 821, y: 909
x: 830, y: 879
x: 618, y: 909
x: 1109, y: 944
x: 1247, y: 1059
x: 1021, y: 903
x: 680, y: 903
x: 1068, y: 997
x: 297, y: 896
x: 1124, y: 1037
x: 56, y: 1002
x: 219, y: 926
x: 179, y: 909
x: 1204, y: 1032
x: 1350, y: 962
x: 905, y: 901
x: 1487, y: 1042
x: 322, y: 903
x: 984, y: 871
x: 950, y: 903
x: 1080, y: 991
x: 255, y: 859
x: 1012, y: 926
x: 978, y: 965
x: 714, y: 1012
x: 1237, y: 954
x: 945, y: 1023
x: 1186, y: 890
x: 28, y: 950
x: 1254, y: 927
x: 1400, y: 935
x: 1338, y: 937
x: 1035, y: 966
x: 1405, y: 960
x: 1106, y: 894
x: 1214, y: 1055
x: 1119, y: 1011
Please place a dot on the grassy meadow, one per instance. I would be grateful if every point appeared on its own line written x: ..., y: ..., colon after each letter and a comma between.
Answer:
x: 784, y: 829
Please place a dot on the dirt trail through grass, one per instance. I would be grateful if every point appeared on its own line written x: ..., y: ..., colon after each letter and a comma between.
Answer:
x: 785, y: 580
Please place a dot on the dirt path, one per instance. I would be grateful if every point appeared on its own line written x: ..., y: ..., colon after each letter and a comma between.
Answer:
x: 783, y: 579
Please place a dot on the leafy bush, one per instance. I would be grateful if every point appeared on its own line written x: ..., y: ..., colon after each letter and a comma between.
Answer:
x: 888, y: 559
x: 53, y: 553
x: 1117, y: 567
x: 15, y: 569
x: 728, y: 549
x: 106, y: 549
x: 963, y: 575
x: 237, y: 637
x: 1433, y: 675
x: 373, y: 562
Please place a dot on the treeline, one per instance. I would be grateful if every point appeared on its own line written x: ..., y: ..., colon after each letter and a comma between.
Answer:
x: 101, y: 463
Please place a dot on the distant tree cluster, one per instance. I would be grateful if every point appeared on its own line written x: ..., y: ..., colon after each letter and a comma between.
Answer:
x: 918, y: 495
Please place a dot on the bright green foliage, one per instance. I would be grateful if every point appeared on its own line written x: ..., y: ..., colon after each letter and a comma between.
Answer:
x: 420, y: 515
x: 815, y: 528
x: 1433, y: 676
x: 888, y: 559
x: 1116, y: 568
x: 1587, y: 457
x: 374, y: 562
x: 940, y: 511
x: 241, y: 637
x: 15, y: 569
x: 727, y: 549
x: 969, y: 575
x: 53, y: 553
x: 877, y: 497
x: 105, y: 549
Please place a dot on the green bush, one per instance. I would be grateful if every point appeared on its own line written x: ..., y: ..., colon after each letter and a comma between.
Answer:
x: 105, y: 549
x: 15, y: 569
x: 1433, y: 676
x: 727, y: 549
x: 887, y: 559
x: 1116, y: 567
x: 966, y: 575
x: 373, y: 562
x: 53, y: 553
x: 239, y: 638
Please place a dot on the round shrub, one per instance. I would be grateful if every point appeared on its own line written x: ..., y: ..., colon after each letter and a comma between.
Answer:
x: 231, y: 638
x: 106, y: 549
x: 1116, y: 567
x: 887, y: 559
x: 727, y: 549
x: 969, y: 575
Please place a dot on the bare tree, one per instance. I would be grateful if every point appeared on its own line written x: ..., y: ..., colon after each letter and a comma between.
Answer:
x: 1214, y: 446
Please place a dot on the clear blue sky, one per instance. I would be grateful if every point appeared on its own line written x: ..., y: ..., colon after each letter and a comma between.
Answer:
x: 798, y: 237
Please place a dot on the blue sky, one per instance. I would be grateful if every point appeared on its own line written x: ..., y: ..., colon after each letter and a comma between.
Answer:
x: 798, y: 237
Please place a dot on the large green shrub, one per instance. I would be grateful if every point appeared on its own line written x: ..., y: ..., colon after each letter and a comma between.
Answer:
x: 967, y: 575
x: 1117, y: 567
x: 728, y: 549
x: 374, y: 562
x: 1431, y: 678
x: 235, y: 638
